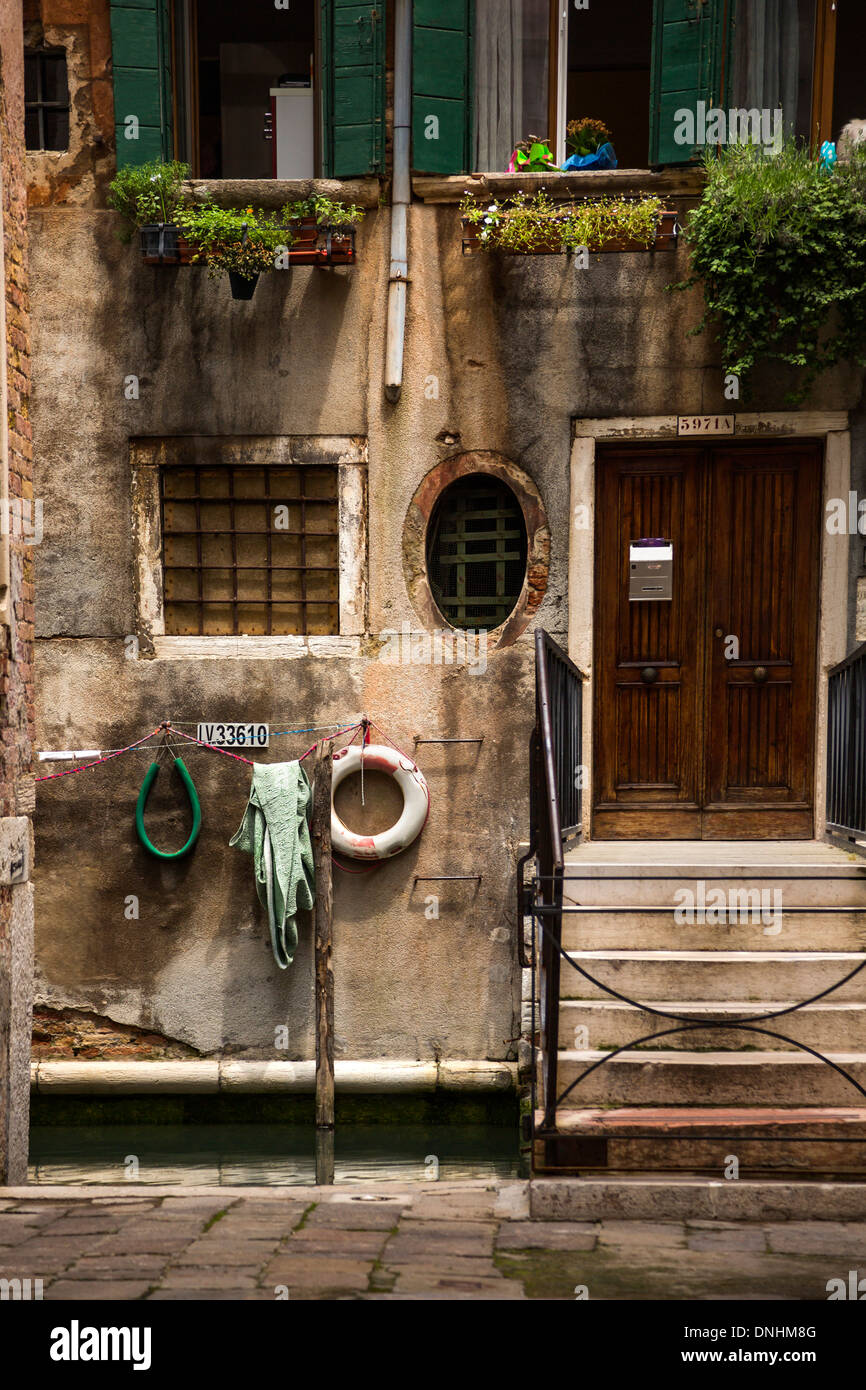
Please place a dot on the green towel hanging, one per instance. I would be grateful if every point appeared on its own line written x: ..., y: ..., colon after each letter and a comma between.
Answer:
x: 149, y: 779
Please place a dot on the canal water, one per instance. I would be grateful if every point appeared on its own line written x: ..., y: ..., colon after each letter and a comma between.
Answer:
x: 275, y: 1155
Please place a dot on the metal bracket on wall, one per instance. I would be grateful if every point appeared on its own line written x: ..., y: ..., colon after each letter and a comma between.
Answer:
x: 418, y: 739
x: 446, y: 878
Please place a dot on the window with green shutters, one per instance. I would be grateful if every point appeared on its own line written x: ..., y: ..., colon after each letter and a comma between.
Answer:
x: 353, y: 88
x: 442, y: 86
x: 690, y: 64
x: 140, y: 50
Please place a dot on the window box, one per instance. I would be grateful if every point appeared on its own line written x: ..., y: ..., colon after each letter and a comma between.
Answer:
x: 665, y: 239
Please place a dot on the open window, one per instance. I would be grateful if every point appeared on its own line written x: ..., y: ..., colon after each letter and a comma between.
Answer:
x: 268, y: 88
x: 487, y: 74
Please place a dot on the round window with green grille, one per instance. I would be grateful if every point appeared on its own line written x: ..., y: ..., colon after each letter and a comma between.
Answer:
x: 476, y: 552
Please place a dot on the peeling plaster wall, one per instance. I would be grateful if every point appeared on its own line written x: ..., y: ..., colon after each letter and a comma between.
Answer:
x: 501, y: 354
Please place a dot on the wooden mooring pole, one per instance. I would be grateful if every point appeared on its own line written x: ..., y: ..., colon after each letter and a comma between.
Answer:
x: 324, y: 973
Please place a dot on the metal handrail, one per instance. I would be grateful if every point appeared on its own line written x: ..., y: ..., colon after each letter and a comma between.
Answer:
x: 557, y: 736
x: 846, y: 747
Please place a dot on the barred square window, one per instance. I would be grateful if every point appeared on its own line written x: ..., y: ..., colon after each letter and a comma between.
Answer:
x: 250, y: 550
x: 46, y: 99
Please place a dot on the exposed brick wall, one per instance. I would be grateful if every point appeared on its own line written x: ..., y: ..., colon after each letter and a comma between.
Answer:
x: 16, y: 672
x: 68, y: 1033
x: 16, y: 640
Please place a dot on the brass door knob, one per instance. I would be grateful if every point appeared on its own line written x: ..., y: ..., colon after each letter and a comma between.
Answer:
x: 760, y: 675
x: 649, y: 675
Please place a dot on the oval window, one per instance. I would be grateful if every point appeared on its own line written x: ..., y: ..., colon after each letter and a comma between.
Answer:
x: 476, y: 552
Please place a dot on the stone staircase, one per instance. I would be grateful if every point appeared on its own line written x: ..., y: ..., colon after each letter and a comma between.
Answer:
x: 686, y: 1102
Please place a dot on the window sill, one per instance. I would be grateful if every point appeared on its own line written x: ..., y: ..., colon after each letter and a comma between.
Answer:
x: 254, y: 648
x: 681, y: 183
x: 275, y: 193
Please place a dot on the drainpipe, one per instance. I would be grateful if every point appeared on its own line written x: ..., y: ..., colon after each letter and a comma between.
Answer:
x: 399, y: 272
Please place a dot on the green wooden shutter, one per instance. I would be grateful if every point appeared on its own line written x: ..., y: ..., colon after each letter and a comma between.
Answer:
x: 442, y: 86
x: 140, y: 50
x: 353, y: 88
x: 690, y: 64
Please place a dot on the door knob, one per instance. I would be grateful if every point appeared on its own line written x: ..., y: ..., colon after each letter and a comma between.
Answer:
x: 720, y: 632
x: 760, y: 675
x: 649, y: 675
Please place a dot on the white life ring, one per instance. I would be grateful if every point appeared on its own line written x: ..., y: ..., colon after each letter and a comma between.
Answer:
x: 416, y: 801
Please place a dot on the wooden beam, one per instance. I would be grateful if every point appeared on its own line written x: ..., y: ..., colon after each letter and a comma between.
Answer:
x: 324, y: 973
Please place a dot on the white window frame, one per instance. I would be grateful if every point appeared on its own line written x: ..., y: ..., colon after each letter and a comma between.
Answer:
x: 347, y: 454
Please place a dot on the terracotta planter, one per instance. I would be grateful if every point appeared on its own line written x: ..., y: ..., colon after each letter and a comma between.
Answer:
x: 304, y: 249
x: 339, y: 246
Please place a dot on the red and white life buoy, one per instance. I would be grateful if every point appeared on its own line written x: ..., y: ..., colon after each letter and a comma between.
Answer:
x: 416, y: 801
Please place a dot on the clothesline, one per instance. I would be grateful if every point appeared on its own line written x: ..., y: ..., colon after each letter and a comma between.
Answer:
x: 168, y: 727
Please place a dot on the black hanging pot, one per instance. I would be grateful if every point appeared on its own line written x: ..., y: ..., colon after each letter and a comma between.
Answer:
x: 243, y: 286
x: 159, y: 244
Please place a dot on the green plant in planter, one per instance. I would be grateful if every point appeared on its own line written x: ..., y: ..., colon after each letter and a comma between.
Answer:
x: 531, y: 224
x: 597, y: 222
x: 585, y: 136
x: 239, y: 240
x: 147, y: 194
x: 326, y: 211
x: 778, y: 244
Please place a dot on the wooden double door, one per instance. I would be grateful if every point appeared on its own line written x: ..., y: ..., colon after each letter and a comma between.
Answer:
x: 704, y: 704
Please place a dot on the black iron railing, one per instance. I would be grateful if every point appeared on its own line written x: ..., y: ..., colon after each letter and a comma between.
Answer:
x: 846, y: 749
x: 555, y: 815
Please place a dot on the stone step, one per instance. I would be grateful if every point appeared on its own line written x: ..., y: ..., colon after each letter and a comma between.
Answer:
x: 715, y: 976
x: 639, y: 930
x: 648, y: 1197
x: 828, y: 1026
x: 799, y: 885
x: 710, y: 1079
x: 817, y: 1141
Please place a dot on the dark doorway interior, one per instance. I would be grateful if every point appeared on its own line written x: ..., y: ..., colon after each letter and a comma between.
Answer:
x: 609, y: 48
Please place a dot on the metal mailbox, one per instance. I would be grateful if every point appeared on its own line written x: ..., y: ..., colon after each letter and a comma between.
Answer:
x: 650, y: 565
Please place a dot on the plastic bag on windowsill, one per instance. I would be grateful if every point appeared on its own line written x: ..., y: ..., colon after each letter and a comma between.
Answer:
x: 602, y: 158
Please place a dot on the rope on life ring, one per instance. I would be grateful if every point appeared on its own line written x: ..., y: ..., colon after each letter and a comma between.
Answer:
x: 149, y: 778
x: 416, y: 801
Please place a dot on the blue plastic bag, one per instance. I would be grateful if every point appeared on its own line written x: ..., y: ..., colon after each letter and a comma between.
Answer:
x: 603, y: 158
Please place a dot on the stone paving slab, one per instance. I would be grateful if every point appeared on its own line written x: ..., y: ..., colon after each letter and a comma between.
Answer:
x: 428, y: 1242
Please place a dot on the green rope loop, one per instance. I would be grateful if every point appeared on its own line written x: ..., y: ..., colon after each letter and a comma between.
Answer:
x: 149, y: 779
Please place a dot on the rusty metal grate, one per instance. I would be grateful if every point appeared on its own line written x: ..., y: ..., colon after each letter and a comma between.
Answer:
x: 250, y: 550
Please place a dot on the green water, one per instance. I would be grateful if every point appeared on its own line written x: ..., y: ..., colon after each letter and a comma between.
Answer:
x: 267, y: 1155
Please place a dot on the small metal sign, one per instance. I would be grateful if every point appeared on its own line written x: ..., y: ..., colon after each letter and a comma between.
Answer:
x: 650, y: 566
x: 706, y: 424
x: 233, y: 735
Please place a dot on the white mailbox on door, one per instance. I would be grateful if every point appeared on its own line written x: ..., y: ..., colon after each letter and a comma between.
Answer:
x: 650, y: 570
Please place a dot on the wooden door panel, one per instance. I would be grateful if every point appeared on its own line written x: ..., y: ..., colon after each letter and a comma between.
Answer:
x: 720, y: 744
x: 763, y: 559
x: 646, y: 753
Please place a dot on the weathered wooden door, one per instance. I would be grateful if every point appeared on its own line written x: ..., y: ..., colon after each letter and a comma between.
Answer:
x: 704, y: 703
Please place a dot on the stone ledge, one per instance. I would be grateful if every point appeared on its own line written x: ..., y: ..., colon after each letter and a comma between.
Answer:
x: 275, y: 193
x: 685, y: 183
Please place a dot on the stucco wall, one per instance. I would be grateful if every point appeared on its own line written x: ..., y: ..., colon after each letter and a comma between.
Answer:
x: 501, y: 354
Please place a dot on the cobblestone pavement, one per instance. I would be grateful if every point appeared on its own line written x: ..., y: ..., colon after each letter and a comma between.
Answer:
x: 470, y: 1240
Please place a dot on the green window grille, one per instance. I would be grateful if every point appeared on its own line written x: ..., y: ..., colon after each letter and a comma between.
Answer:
x: 476, y: 552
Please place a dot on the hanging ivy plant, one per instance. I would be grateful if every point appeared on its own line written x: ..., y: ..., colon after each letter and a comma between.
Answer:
x: 778, y: 243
